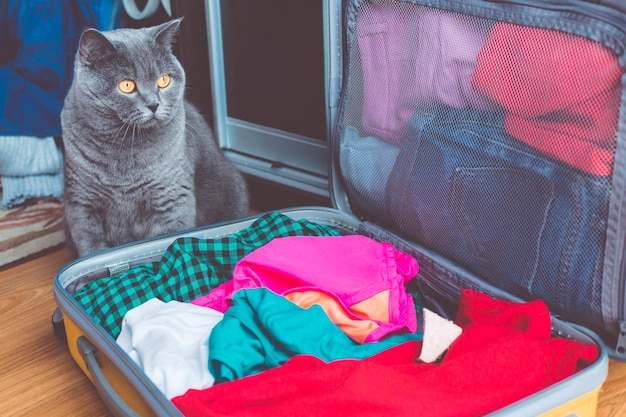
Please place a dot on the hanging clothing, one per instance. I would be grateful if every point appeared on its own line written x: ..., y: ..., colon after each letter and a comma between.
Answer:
x: 39, y: 41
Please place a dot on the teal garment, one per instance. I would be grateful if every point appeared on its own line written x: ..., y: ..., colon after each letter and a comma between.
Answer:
x: 189, y: 268
x: 262, y: 330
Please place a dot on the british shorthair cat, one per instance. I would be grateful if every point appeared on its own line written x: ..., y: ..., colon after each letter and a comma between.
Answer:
x: 140, y: 160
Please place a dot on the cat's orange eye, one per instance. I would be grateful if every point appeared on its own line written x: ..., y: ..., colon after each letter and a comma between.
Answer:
x: 163, y: 81
x: 126, y: 86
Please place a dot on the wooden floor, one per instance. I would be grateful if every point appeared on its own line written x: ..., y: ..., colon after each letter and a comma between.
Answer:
x: 38, y: 377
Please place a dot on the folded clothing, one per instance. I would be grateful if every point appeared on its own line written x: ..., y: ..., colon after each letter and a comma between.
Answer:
x: 31, y: 168
x: 561, y: 92
x: 437, y: 67
x: 27, y: 155
x: 365, y: 166
x: 18, y: 190
x: 501, y: 342
x: 366, y: 277
x: 520, y: 220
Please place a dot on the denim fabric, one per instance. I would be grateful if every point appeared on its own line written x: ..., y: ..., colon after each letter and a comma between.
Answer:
x: 39, y: 41
x: 528, y: 224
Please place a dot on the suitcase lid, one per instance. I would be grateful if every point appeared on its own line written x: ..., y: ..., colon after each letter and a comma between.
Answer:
x: 491, y: 136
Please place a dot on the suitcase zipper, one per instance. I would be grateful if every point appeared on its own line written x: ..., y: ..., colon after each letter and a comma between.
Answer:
x: 584, y: 8
x: 438, y: 285
x: 620, y: 348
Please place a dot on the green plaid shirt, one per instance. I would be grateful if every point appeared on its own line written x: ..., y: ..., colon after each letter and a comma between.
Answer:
x: 189, y: 268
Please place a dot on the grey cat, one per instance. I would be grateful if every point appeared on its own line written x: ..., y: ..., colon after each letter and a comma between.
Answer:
x: 140, y: 160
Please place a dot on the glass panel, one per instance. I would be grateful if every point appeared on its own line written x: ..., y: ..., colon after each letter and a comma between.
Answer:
x: 274, y: 64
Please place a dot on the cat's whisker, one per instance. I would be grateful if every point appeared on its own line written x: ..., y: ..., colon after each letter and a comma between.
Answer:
x: 141, y: 137
x: 123, y: 128
x: 119, y: 130
x: 191, y: 126
x: 132, y: 143
x: 124, y: 137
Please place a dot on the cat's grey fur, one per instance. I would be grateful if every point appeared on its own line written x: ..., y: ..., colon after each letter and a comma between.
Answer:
x: 131, y: 173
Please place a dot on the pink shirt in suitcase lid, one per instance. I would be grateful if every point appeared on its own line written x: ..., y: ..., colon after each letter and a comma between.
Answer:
x: 366, y: 278
x: 413, y: 59
x: 561, y: 93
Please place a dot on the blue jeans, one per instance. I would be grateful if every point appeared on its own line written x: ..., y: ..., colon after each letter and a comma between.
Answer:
x: 532, y: 226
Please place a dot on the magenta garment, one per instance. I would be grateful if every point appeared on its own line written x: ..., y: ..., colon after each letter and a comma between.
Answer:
x: 436, y: 66
x: 349, y: 268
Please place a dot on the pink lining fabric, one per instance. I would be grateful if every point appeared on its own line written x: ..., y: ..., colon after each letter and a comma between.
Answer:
x: 349, y: 268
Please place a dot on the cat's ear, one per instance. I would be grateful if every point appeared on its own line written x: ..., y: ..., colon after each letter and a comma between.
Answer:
x: 94, y: 46
x: 167, y: 32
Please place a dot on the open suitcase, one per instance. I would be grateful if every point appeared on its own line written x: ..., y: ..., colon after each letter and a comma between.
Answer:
x: 484, y: 139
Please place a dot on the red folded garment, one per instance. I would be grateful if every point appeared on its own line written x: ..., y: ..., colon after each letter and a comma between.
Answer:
x: 504, y: 355
x: 561, y: 92
x: 532, y: 318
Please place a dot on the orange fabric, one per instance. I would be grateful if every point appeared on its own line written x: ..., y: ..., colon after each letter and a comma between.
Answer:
x: 374, y: 308
x: 358, y: 321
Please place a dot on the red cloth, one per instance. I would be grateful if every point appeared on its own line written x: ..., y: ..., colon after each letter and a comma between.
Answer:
x: 561, y: 92
x: 504, y: 354
x: 532, y: 318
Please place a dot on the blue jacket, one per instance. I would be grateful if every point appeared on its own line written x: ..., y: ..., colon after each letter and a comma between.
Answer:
x: 39, y: 40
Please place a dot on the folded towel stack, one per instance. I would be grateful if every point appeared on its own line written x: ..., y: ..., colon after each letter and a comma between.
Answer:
x: 30, y: 168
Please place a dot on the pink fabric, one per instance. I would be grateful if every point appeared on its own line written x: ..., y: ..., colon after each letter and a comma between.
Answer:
x: 415, y: 57
x: 349, y: 268
x: 561, y: 92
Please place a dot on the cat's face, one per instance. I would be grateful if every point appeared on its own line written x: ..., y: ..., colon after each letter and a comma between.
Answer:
x: 132, y: 75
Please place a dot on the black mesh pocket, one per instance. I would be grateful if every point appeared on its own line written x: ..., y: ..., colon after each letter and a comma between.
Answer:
x: 492, y: 143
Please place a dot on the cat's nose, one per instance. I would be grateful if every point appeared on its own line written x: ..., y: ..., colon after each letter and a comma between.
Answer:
x: 153, y: 107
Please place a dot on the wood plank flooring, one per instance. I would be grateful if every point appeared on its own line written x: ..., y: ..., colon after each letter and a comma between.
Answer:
x: 38, y: 377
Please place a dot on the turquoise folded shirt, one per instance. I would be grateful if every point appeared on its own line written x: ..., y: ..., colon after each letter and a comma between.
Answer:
x: 262, y: 330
